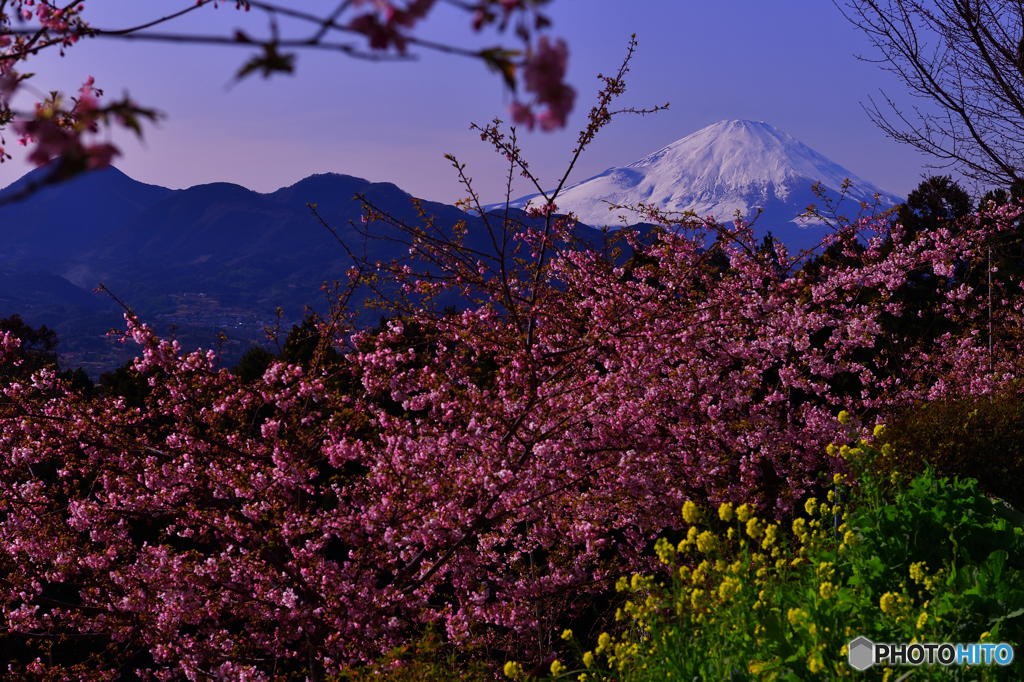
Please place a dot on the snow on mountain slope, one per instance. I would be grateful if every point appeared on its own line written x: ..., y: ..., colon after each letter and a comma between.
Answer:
x: 728, y: 166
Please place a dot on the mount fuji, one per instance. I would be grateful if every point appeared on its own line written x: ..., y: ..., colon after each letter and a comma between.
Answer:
x: 727, y: 167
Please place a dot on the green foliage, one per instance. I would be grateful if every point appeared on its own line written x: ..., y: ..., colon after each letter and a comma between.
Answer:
x: 79, y: 380
x: 938, y: 201
x: 253, y: 364
x: 304, y: 344
x: 925, y: 559
x: 126, y: 383
x: 981, y: 437
x: 38, y: 349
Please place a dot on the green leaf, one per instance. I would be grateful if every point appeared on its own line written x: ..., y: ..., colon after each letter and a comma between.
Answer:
x: 500, y: 60
x: 269, y: 62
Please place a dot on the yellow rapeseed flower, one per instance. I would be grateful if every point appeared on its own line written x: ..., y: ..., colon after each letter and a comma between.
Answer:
x: 729, y: 588
x: 770, y: 535
x: 844, y: 417
x: 588, y: 659
x: 513, y: 670
x: 665, y: 551
x: 831, y: 449
x: 706, y: 542
x: 567, y: 635
x: 879, y: 430
x: 794, y: 616
x: 557, y: 668
x: 918, y: 571
x: 743, y: 513
x: 922, y: 620
x: 827, y: 590
x: 691, y: 514
x: 700, y: 571
x: 810, y: 505
x: 603, y: 641
x: 754, y: 527
x: 888, y: 603
x: 725, y: 511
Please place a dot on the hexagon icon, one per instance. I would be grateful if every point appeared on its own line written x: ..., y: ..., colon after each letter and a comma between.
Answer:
x: 860, y: 653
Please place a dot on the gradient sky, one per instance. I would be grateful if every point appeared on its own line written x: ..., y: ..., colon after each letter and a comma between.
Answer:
x: 791, y: 64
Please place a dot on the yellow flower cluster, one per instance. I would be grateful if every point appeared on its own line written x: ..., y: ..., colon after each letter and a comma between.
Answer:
x: 800, y: 530
x: 513, y: 670
x: 755, y: 528
x: 706, y: 542
x: 665, y: 551
x: 898, y: 606
x: 849, y: 538
x: 729, y: 588
x: 691, y: 514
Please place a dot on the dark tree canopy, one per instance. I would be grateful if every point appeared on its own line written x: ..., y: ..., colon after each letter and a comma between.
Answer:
x: 38, y: 348
x: 938, y: 198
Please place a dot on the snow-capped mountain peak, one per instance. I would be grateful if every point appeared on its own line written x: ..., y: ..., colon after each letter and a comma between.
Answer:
x: 727, y: 166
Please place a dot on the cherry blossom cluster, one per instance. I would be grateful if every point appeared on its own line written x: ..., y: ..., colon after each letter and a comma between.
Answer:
x: 544, y: 76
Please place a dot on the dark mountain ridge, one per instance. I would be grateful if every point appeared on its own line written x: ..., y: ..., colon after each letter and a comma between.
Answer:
x: 215, y: 257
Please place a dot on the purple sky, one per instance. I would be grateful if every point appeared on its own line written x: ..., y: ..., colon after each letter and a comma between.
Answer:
x: 790, y: 64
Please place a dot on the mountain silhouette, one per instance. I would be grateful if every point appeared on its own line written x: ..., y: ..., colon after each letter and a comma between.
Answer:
x: 207, y: 258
